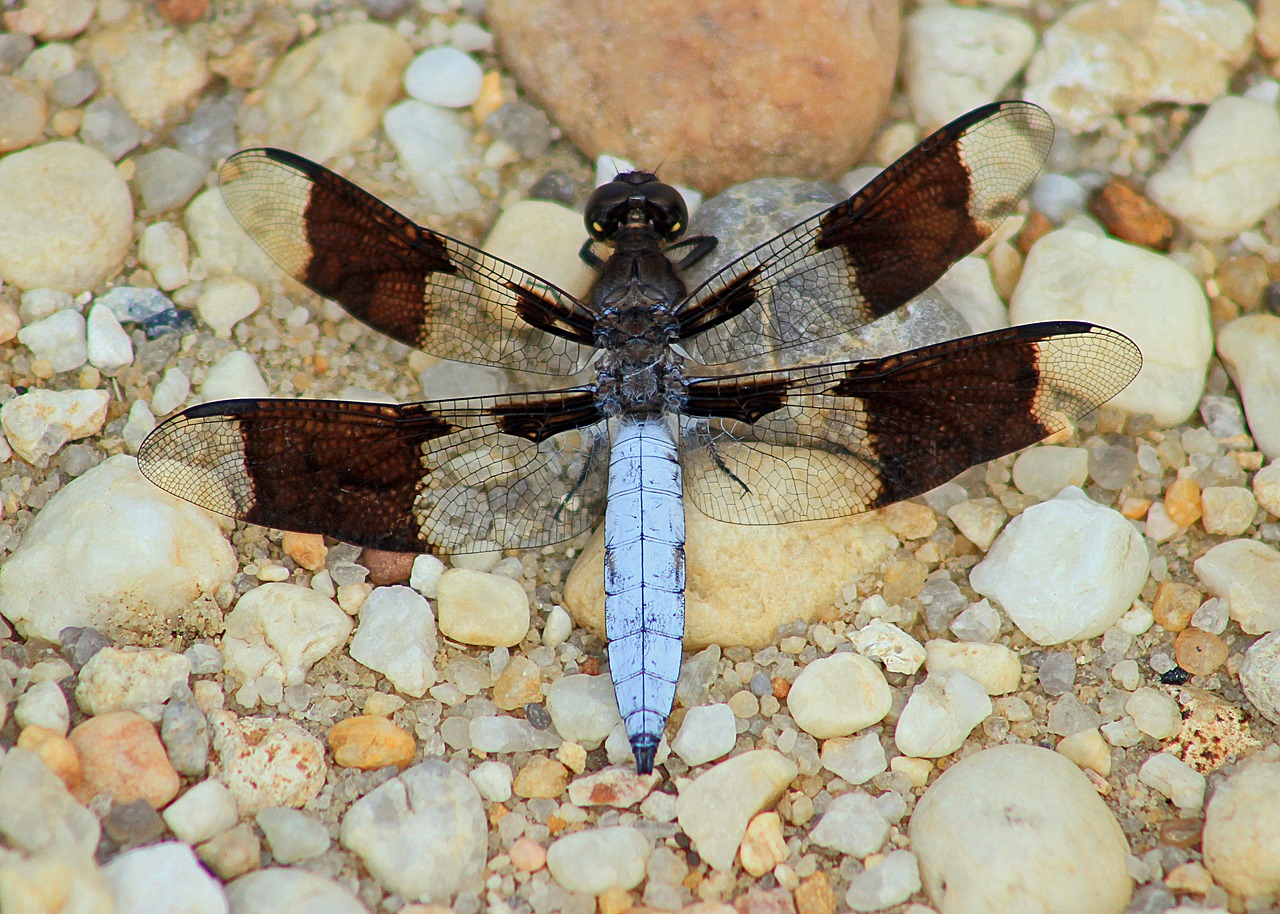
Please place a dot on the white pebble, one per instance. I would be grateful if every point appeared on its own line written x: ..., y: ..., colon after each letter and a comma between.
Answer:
x: 1175, y: 779
x: 38, y: 423
x: 839, y: 695
x: 141, y: 422
x: 438, y: 151
x: 493, y: 780
x: 37, y: 304
x: 292, y: 835
x: 280, y: 631
x: 1260, y: 676
x: 225, y: 301
x: 995, y: 666
x: 1155, y: 713
x: 1043, y: 472
x: 1245, y: 573
x: 595, y: 860
x: 715, y: 807
x: 202, y: 812
x: 1228, y: 510
x: 234, y: 375
x: 108, y: 346
x: 707, y: 733
x: 478, y: 608
x: 889, y: 645
x: 43, y: 705
x: 163, y: 249
x: 168, y: 870
x: 558, y: 627
x: 125, y: 679
x: 1242, y: 832
x: 425, y: 575
x: 59, y: 339
x: 851, y: 825
x: 979, y: 519
x: 1075, y: 275
x: 890, y: 882
x: 583, y: 708
x: 292, y: 890
x: 940, y: 714
x: 856, y: 759
x: 1065, y: 569
x: 171, y: 392
x: 1250, y: 349
x: 397, y: 638
x: 444, y: 76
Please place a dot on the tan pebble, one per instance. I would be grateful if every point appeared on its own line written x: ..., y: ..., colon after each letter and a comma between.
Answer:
x: 527, y: 855
x: 910, y: 521
x: 1181, y: 832
x: 519, y: 684
x: 762, y: 847
x: 1135, y: 508
x: 542, y: 778
x: 352, y: 596
x: 56, y: 751
x: 614, y: 900
x: 902, y: 581
x: 573, y: 755
x: 233, y: 852
x: 618, y: 787
x: 370, y: 743
x: 181, y: 12
x: 1131, y: 217
x: 1189, y: 878
x: 490, y: 98
x: 1182, y: 502
x: 388, y: 567
x: 781, y: 687
x: 121, y: 754
x: 917, y: 770
x: 1175, y: 604
x: 1249, y: 461
x: 815, y: 895
x: 1228, y: 510
x: 1087, y: 749
x: 1200, y: 653
x: 307, y: 549
x: 380, y: 704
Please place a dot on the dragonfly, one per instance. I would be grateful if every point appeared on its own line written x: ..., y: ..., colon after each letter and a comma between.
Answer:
x: 666, y: 415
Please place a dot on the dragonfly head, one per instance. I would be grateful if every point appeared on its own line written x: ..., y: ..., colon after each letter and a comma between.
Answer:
x: 636, y: 198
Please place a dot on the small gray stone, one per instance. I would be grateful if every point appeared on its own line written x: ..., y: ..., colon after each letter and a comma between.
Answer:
x: 108, y: 127
x: 1057, y: 673
x: 892, y: 881
x: 185, y: 734
x: 444, y: 76
x: 292, y: 835
x: 855, y: 759
x: 851, y: 825
x: 167, y: 178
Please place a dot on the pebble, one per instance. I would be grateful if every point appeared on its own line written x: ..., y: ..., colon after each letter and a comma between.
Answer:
x: 1266, y: 488
x: 121, y: 755
x: 31, y: 793
x: 307, y: 549
x: 59, y: 339
x: 43, y: 704
x: 169, y: 870
x: 583, y: 708
x: 231, y: 853
x: 715, y: 807
x: 292, y: 835
x: 166, y: 179
x: 979, y: 519
x: 55, y: 752
x: 994, y: 666
x: 1228, y: 510
x: 479, y: 608
x: 151, y: 73
x: 890, y: 882
x: 84, y: 518
x: 1226, y: 174
x: 281, y: 630
x: 1128, y: 215
x: 426, y: 574
x: 1043, y: 472
x: 852, y: 824
x: 290, y: 890
x: 223, y: 247
x: 763, y: 847
x: 595, y: 860
x: 1064, y: 570
x: 890, y: 646
x: 125, y: 679
x: 1155, y: 713
x: 1088, y: 749
x: 22, y: 113
x: 855, y: 759
x: 501, y: 735
x: 1182, y: 502
x: 1072, y: 274
x: 1241, y: 839
x: 232, y: 376
x: 202, y: 812
x: 387, y: 567
x: 422, y: 834
x: 225, y: 301
x: 519, y: 684
x: 493, y: 780
x: 344, y: 78
x: 1174, y: 779
x: 107, y: 345
x: 37, y: 424
x: 62, y: 197
x: 266, y: 762
x: 976, y: 812
x: 940, y: 714
x: 801, y: 104
x: 541, y: 778
x: 543, y: 238
x: 734, y: 602
x: 163, y: 250
x: 107, y: 126
x: 708, y: 732
x: 1199, y: 652
x: 1212, y: 616
x: 1249, y: 348
x: 444, y: 76
x: 838, y: 695
x: 1057, y: 673
x: 397, y: 638
x: 1260, y: 676
x: 370, y: 743
x: 1109, y: 57
x: 527, y: 855
x: 438, y: 151
x: 956, y: 58
x: 979, y: 623
x: 1246, y: 574
x: 185, y: 734
x: 620, y: 788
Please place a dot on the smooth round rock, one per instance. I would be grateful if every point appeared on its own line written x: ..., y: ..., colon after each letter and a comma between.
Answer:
x: 1250, y: 349
x: 444, y: 76
x: 795, y: 88
x: 598, y: 859
x: 1245, y: 573
x: 56, y: 198
x: 1242, y: 832
x: 839, y: 695
x: 1065, y: 569
x: 290, y: 890
x: 1072, y: 274
x: 1019, y: 827
x: 121, y: 754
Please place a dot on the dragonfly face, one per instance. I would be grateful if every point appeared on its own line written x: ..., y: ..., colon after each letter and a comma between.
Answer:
x: 530, y: 470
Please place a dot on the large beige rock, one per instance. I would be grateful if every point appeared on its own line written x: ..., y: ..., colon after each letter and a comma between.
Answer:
x: 742, y: 582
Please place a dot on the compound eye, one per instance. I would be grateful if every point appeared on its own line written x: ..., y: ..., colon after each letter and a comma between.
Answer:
x: 669, y: 212
x: 606, y: 209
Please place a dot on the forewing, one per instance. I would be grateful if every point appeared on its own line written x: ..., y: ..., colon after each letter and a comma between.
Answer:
x: 455, y: 475
x: 415, y: 285
x: 844, y: 438
x: 872, y: 253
